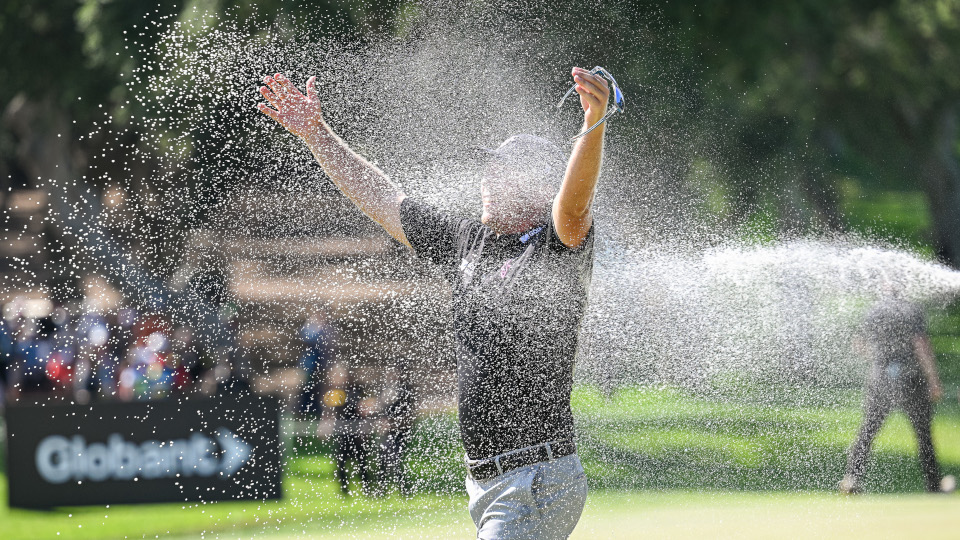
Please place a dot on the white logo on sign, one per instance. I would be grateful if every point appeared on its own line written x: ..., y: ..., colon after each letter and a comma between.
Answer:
x: 60, y: 459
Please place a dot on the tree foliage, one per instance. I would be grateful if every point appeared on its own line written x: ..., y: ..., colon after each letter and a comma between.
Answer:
x: 860, y: 88
x: 789, y: 97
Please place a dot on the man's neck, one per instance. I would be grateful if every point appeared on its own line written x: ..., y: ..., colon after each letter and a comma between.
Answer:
x: 517, y: 227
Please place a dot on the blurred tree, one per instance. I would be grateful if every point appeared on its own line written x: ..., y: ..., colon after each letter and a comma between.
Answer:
x: 773, y: 100
x: 869, y: 87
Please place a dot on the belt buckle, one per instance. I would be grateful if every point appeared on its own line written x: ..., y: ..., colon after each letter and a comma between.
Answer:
x: 470, y: 468
x: 475, y: 466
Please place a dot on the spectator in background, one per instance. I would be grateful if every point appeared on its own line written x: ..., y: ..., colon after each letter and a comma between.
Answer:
x: 106, y: 369
x: 118, y: 348
x: 233, y: 373
x: 343, y: 400
x: 6, y: 356
x: 33, y: 345
x: 146, y: 374
x: 317, y: 337
x: 92, y: 355
x: 190, y: 368
x: 398, y: 406
x: 903, y: 374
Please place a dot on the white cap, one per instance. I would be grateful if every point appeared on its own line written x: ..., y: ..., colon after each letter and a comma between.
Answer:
x: 532, y: 155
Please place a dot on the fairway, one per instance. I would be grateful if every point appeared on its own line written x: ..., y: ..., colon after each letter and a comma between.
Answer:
x: 769, y: 515
x: 631, y: 515
x: 312, y: 511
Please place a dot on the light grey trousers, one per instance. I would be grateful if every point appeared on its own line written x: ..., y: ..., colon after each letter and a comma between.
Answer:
x: 539, y: 501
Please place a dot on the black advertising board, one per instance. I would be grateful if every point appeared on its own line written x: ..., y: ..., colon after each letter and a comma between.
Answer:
x: 186, y: 449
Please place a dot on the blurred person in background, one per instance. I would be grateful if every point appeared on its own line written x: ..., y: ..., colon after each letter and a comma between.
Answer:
x: 146, y: 374
x: 92, y: 357
x: 190, y: 368
x: 317, y: 337
x: 33, y: 345
x: 233, y: 373
x: 903, y: 374
x: 121, y: 339
x: 6, y: 356
x: 343, y: 406
x: 398, y: 410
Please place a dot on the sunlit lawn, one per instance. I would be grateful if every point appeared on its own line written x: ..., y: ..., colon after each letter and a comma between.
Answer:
x: 313, y: 504
x: 680, y: 515
x: 663, y: 439
x: 609, y: 514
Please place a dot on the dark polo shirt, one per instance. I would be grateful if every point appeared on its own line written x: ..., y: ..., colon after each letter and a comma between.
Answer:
x: 518, y: 301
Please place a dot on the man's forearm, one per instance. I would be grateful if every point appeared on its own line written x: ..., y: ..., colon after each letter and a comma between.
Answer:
x: 362, y: 182
x: 924, y: 353
x: 571, y: 209
x: 583, y: 171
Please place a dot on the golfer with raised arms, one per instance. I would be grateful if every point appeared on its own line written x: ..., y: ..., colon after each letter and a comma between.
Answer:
x: 520, y: 276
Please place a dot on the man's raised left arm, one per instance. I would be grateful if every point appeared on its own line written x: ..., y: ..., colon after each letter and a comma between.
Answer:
x: 572, y: 214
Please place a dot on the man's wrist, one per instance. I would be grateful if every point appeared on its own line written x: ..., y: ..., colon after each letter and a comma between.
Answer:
x: 319, y: 136
x: 597, y: 131
x: 590, y: 121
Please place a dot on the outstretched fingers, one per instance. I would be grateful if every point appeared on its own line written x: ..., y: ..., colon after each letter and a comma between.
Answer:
x: 282, y: 84
x: 273, y: 85
x: 262, y: 107
x: 270, y: 97
x: 285, y: 103
x: 312, y: 88
x: 276, y: 84
x: 287, y: 87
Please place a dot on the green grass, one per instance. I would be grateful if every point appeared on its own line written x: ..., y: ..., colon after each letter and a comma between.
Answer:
x: 895, y: 216
x: 766, y: 515
x: 653, y: 456
x: 630, y: 515
x: 664, y: 439
x: 314, y: 503
x: 609, y: 514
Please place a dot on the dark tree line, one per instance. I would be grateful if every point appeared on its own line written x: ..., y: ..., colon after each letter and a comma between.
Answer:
x: 791, y: 97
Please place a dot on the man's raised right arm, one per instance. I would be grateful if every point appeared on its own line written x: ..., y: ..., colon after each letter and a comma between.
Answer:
x: 364, y: 184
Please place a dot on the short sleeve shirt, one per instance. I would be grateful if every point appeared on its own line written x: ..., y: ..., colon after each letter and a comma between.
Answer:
x: 890, y: 327
x: 518, y: 301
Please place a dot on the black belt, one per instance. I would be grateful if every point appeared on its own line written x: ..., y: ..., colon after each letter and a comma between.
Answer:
x: 495, y: 466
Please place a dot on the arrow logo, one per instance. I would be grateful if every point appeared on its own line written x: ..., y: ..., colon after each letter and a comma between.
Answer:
x: 236, y: 451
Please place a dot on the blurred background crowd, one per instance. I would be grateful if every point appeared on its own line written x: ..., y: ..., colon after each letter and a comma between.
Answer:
x: 48, y: 355
x: 122, y: 355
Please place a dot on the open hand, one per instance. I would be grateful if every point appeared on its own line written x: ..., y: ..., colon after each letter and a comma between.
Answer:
x: 297, y: 112
x: 594, y: 93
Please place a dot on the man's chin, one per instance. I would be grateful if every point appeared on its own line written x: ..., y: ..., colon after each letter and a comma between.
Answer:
x: 496, y: 224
